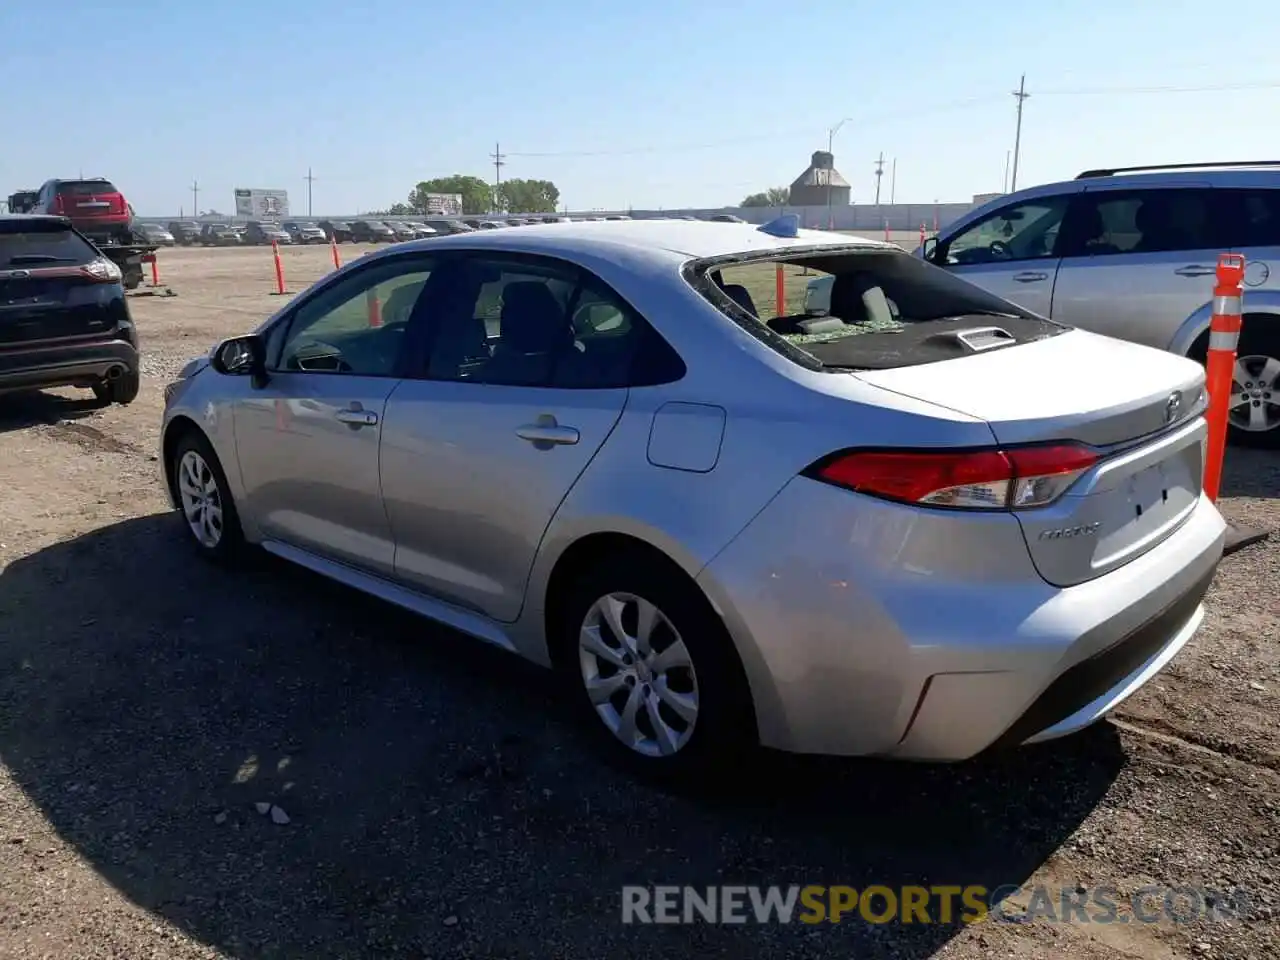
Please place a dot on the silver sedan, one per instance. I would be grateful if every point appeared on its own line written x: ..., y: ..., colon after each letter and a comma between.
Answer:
x: 924, y: 525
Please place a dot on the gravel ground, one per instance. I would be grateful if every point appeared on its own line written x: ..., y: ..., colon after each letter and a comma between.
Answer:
x: 440, y: 803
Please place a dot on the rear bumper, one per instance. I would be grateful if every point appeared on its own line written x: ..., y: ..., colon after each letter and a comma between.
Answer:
x: 63, y: 364
x: 865, y: 628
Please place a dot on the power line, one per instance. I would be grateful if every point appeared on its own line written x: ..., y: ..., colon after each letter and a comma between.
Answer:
x: 1204, y: 88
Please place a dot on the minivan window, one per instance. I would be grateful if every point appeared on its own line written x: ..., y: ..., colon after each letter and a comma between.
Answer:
x: 1023, y: 231
x: 1110, y: 222
x: 887, y: 309
x: 1252, y: 216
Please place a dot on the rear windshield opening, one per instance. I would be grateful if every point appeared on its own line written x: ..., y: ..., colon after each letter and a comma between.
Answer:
x: 863, y: 309
x: 84, y: 188
x: 35, y: 247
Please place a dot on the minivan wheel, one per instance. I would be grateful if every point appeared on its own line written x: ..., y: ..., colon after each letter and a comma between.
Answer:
x: 1254, y: 412
x: 655, y: 670
x: 204, y: 499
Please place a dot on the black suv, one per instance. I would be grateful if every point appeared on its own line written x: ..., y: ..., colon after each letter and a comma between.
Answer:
x: 64, y: 320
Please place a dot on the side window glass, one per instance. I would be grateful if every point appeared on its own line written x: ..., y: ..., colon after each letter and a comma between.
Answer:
x: 546, y: 326
x: 1249, y: 218
x: 1142, y: 221
x: 1024, y: 231
x: 356, y: 327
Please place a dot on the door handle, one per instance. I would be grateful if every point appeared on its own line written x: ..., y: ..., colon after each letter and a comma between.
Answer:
x: 356, y: 418
x: 1030, y: 276
x: 546, y: 433
x: 1195, y: 270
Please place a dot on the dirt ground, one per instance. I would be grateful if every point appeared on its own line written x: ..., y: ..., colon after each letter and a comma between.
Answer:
x: 440, y: 802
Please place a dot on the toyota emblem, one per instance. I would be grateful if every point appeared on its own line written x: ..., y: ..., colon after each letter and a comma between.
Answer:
x: 1171, y: 407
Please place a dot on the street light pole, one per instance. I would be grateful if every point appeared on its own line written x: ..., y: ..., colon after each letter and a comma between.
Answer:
x: 831, y: 137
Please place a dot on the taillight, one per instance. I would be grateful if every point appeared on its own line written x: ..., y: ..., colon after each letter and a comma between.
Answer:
x: 102, y: 271
x: 59, y: 204
x: 1017, y: 478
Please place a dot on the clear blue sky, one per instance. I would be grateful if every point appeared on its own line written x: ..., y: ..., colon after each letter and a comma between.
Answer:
x: 657, y: 103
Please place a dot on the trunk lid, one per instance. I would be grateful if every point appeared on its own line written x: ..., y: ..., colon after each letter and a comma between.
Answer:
x: 92, y: 200
x: 1140, y: 408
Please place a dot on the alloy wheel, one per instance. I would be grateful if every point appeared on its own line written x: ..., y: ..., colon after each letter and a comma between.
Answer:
x: 638, y: 674
x: 201, y: 499
x: 1255, y: 394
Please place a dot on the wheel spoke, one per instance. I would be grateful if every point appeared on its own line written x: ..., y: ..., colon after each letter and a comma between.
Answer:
x: 1238, y: 399
x: 668, y: 739
x: 673, y: 656
x: 627, y: 729
x: 685, y: 705
x: 611, y: 609
x: 602, y: 689
x: 1258, y: 419
x: 647, y: 617
x: 1269, y: 374
x: 594, y: 643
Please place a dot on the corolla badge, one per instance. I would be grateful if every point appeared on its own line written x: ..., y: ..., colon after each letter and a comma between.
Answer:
x: 1172, y: 407
x: 1067, y: 533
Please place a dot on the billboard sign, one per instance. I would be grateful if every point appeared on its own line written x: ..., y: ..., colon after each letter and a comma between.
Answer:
x: 444, y: 204
x: 262, y: 204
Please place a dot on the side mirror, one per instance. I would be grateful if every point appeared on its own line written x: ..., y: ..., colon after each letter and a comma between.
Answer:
x: 241, y: 357
x: 929, y: 249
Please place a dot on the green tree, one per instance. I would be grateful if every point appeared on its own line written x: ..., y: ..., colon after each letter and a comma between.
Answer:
x: 397, y: 210
x: 528, y: 196
x: 477, y: 196
x: 773, y: 197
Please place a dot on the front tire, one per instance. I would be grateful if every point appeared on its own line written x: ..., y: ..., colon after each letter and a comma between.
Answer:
x: 204, y: 500
x: 655, y: 672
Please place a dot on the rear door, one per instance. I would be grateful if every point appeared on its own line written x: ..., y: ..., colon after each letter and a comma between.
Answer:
x: 1012, y: 252
x: 45, y: 291
x: 525, y: 378
x: 1137, y: 262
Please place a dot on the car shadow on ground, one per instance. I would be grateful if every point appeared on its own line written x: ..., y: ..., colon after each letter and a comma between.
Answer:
x: 21, y: 410
x: 439, y: 799
x: 1250, y: 473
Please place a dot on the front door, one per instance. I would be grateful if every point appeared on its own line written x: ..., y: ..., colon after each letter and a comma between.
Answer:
x: 1011, y: 252
x: 523, y: 382
x: 308, y: 440
x: 1137, y: 263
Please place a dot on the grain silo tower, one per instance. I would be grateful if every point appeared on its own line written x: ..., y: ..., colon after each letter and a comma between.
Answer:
x: 812, y: 187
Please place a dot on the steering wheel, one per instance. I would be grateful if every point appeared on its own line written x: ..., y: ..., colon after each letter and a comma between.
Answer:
x: 1000, y: 250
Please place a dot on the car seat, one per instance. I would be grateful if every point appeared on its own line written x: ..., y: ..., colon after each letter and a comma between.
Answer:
x: 741, y: 296
x: 534, y: 330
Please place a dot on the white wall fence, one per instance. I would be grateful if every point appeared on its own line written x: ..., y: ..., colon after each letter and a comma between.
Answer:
x: 866, y: 217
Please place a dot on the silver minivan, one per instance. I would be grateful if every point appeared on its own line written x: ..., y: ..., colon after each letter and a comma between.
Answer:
x: 1131, y: 253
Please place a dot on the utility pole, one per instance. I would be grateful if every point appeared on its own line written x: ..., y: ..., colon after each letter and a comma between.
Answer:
x: 310, y: 180
x: 1021, y: 95
x: 893, y: 181
x: 195, y: 198
x: 879, y: 174
x: 499, y: 159
x: 1005, y: 182
x: 831, y: 139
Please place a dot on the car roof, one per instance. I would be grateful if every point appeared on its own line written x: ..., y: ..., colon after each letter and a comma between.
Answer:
x: 665, y: 239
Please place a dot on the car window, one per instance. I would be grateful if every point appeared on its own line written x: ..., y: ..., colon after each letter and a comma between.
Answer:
x: 1111, y: 222
x: 27, y: 245
x: 1023, y: 231
x: 84, y: 188
x: 355, y: 326
x: 545, y: 326
x: 1251, y: 217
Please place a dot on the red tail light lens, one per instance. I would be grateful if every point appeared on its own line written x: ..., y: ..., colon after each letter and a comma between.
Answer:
x: 1018, y: 478
x: 59, y: 204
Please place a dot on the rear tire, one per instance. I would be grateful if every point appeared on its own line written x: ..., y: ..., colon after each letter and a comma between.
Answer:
x: 205, y: 505
x: 1255, y: 390
x: 122, y: 390
x: 653, y: 671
